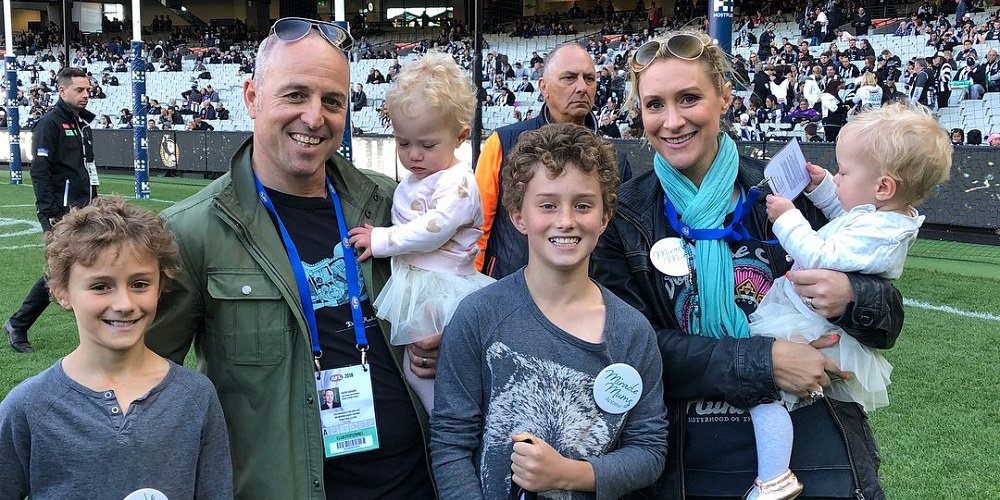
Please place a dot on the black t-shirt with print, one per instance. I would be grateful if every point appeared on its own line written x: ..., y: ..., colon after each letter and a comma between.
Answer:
x: 398, y: 469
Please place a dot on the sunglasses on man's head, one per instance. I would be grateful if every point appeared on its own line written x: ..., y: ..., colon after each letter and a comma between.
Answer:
x: 682, y: 46
x: 292, y: 29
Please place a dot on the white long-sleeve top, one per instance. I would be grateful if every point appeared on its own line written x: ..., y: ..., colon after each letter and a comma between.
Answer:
x: 435, y: 222
x: 862, y: 240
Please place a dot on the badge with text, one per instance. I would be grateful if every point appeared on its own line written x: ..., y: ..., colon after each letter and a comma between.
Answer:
x: 668, y: 257
x: 146, y: 494
x: 617, y: 388
x: 347, y: 411
x: 92, y: 173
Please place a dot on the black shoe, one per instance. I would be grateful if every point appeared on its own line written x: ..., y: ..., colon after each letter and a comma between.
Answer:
x: 18, y: 340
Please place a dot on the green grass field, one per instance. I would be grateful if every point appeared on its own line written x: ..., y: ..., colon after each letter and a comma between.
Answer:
x: 940, y: 437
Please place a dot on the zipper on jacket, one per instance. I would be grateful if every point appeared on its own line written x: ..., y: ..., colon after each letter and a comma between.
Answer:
x: 858, y: 494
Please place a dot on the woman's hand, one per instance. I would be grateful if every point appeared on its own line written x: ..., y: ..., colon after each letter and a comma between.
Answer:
x: 423, y: 356
x: 824, y: 291
x: 801, y: 368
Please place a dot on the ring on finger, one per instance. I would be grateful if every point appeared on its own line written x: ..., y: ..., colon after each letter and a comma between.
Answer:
x: 423, y: 362
x: 816, y: 394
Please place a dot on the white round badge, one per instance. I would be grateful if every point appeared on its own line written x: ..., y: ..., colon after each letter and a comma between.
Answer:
x: 668, y: 257
x: 146, y: 494
x: 617, y: 388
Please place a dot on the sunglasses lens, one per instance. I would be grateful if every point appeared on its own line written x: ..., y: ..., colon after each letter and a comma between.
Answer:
x: 290, y: 30
x: 646, y: 53
x: 336, y: 35
x: 686, y: 46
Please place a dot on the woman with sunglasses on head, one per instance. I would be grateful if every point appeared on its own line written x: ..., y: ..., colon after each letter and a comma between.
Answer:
x: 688, y: 248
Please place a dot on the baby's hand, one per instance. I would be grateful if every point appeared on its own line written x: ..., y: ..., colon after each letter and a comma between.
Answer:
x: 816, y: 176
x: 777, y: 205
x: 361, y: 239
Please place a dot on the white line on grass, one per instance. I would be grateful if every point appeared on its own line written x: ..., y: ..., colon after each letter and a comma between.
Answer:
x: 951, y: 310
x: 18, y: 206
x: 20, y: 247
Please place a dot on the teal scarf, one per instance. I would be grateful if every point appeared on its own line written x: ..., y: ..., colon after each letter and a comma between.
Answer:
x: 706, y: 208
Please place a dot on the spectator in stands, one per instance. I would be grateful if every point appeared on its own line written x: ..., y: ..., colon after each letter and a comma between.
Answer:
x: 212, y: 94
x: 106, y: 122
x: 830, y: 76
x: 861, y: 22
x: 207, y: 111
x: 537, y: 71
x: 782, y: 87
x: 525, y: 85
x: 991, y: 69
x: 733, y: 113
x: 921, y: 83
x: 125, y: 118
x: 834, y: 110
x: 957, y: 137
x: 197, y: 124
x: 520, y: 72
x: 993, y: 140
x: 944, y: 72
x: 516, y: 115
x: 762, y: 82
x: 803, y: 113
x: 866, y: 49
x: 375, y: 77
x: 960, y: 11
x: 569, y: 86
x: 852, y: 52
x: 847, y: 71
x: 976, y: 76
x: 967, y: 51
x: 221, y: 111
x: 151, y: 124
x: 96, y: 92
x: 975, y: 137
x: 869, y: 66
x: 744, y: 130
x: 810, y: 132
x: 358, y: 98
x: 869, y: 94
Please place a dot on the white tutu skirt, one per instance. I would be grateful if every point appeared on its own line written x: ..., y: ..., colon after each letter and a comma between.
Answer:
x: 787, y: 318
x: 418, y: 303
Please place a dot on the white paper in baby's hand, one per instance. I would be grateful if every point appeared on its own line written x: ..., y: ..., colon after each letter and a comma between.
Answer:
x: 787, y: 171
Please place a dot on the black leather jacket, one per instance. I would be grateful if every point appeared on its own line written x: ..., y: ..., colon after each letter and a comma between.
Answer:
x: 739, y: 371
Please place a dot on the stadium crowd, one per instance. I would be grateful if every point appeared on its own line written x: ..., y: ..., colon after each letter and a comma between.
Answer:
x: 785, y: 86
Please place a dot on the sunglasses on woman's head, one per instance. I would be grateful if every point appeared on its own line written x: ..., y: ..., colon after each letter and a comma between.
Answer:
x: 682, y: 46
x: 292, y: 29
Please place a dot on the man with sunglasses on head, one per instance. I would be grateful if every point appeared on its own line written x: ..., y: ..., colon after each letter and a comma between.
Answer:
x: 569, y: 87
x: 277, y: 305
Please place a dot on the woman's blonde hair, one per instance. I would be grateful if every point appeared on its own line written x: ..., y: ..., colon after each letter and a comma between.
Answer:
x: 716, y: 62
x: 436, y: 81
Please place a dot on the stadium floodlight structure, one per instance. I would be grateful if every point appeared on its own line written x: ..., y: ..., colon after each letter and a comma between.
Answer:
x: 13, y: 120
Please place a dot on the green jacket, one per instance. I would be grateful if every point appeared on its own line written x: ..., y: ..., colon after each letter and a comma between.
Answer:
x: 236, y: 298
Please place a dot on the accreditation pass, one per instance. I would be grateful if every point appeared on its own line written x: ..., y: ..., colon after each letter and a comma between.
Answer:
x: 347, y: 410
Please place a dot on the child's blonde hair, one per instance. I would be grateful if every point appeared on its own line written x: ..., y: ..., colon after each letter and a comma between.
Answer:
x: 108, y: 223
x: 908, y: 144
x: 438, y: 82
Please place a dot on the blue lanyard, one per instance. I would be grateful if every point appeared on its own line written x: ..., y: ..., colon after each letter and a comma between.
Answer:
x: 734, y: 232
x: 305, y: 296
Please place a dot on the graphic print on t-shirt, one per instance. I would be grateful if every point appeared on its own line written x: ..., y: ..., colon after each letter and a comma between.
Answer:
x: 328, y: 280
